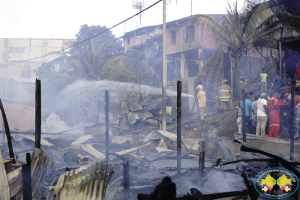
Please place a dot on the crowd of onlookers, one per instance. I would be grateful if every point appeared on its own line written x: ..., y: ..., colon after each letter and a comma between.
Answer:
x: 264, y: 115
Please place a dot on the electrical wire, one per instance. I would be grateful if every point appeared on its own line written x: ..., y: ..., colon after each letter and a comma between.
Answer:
x: 55, y: 52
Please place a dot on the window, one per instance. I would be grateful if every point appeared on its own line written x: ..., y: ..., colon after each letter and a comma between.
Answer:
x: 26, y: 72
x: 190, y: 33
x: 173, y: 37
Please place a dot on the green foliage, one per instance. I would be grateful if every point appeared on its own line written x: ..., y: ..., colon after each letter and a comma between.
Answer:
x: 235, y: 35
x: 88, y: 57
x: 43, y: 70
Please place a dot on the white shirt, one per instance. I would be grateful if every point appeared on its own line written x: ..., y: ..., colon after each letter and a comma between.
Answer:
x: 260, y: 107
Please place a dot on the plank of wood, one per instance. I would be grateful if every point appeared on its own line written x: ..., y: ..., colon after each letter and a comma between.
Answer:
x: 4, y: 188
x: 15, y: 181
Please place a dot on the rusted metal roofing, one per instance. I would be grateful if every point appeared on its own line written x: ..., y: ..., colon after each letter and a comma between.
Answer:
x: 87, y: 182
x: 4, y: 188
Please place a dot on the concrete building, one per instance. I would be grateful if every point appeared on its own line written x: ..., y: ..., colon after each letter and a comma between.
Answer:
x: 189, y: 47
x: 18, y: 59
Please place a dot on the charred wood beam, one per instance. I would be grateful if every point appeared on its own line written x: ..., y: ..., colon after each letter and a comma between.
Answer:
x: 38, y: 114
x: 252, y: 192
x: 292, y: 133
x: 106, y: 124
x: 26, y: 178
x: 126, y: 175
x: 218, y: 195
x: 179, y: 128
x: 244, y: 116
x: 260, y: 160
x: 10, y: 148
x: 201, y: 162
x: 248, y: 148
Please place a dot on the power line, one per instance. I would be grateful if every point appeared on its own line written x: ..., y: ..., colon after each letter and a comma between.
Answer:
x: 90, y: 37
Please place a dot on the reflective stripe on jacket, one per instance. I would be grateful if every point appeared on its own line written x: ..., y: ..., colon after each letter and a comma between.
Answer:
x: 224, y: 93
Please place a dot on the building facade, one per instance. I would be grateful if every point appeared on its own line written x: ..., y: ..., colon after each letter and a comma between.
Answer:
x: 19, y: 58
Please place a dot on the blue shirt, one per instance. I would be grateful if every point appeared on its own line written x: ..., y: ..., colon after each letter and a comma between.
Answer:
x: 247, y: 103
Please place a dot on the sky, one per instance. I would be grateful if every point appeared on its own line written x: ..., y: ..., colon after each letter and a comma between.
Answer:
x: 63, y: 18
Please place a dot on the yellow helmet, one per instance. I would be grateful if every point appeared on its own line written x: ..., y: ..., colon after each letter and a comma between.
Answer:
x: 225, y: 81
x: 200, y: 87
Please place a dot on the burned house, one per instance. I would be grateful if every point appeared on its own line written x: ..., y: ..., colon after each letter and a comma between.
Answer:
x: 188, y: 47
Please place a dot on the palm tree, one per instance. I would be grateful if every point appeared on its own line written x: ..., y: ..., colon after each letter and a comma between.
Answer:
x: 235, y: 35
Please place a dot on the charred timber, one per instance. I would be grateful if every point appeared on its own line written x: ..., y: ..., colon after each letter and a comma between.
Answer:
x: 217, y: 195
x: 7, y: 131
x: 106, y: 124
x: 26, y: 177
x: 179, y: 128
x: 38, y: 114
x: 248, y: 148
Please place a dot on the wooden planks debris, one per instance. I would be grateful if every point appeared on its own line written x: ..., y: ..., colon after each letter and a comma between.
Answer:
x: 4, y: 188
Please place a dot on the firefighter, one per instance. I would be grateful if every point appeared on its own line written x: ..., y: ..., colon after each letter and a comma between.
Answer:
x: 201, y: 96
x: 224, y: 95
x: 274, y: 117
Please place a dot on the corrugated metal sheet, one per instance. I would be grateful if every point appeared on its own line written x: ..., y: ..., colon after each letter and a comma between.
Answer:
x: 114, y: 182
x: 87, y: 182
x: 4, y: 188
x: 82, y: 139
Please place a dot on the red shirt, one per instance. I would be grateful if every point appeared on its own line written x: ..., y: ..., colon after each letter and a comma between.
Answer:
x: 298, y: 72
x: 274, y: 103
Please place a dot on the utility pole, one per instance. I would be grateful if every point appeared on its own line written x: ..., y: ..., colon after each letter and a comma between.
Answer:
x: 164, y: 70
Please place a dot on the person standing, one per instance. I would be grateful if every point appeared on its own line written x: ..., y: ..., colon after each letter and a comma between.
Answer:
x: 274, y: 117
x: 224, y: 95
x: 297, y: 114
x: 239, y: 119
x: 262, y: 115
x: 247, y: 112
x: 254, y: 111
x: 201, y: 96
x: 263, y: 80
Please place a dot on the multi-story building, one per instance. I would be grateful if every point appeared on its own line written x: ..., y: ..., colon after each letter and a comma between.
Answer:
x: 19, y: 58
x: 188, y: 47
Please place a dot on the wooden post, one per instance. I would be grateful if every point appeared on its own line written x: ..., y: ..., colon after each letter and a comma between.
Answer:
x: 280, y: 58
x: 126, y: 175
x: 201, y: 162
x: 106, y: 123
x: 244, y: 115
x: 38, y: 114
x: 293, y: 118
x: 261, y: 54
x: 179, y: 128
x: 26, y: 177
x: 7, y: 131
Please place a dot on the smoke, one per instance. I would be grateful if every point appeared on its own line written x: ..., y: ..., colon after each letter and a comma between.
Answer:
x: 53, y: 124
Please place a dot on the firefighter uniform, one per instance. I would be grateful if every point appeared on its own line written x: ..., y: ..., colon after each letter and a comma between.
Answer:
x: 224, y: 96
x: 201, y: 96
x: 274, y: 117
